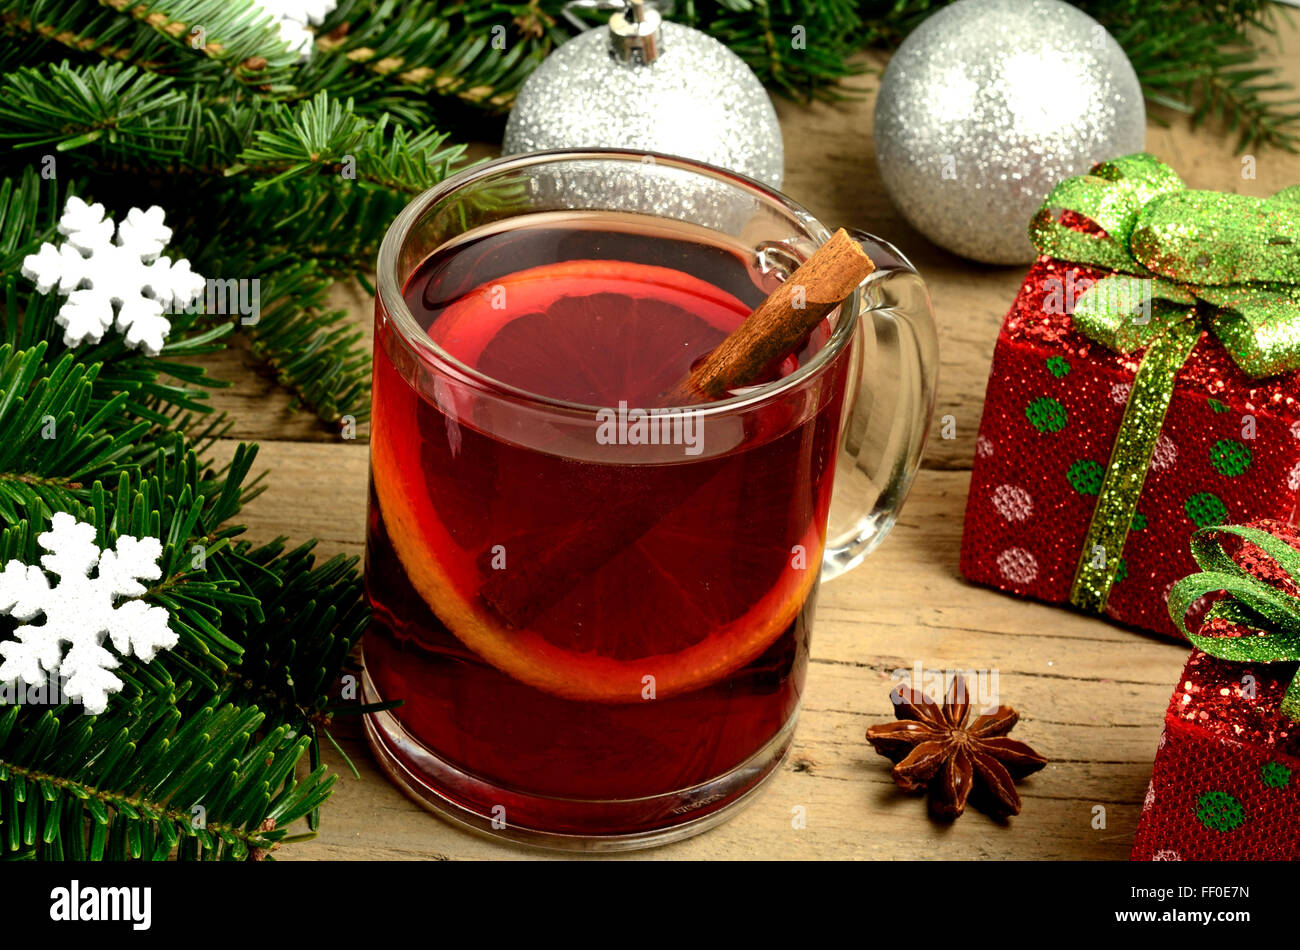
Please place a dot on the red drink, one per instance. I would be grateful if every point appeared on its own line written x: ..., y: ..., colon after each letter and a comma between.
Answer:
x: 599, y: 626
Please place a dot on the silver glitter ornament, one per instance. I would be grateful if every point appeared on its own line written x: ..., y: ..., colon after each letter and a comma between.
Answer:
x: 987, y: 105
x: 660, y: 87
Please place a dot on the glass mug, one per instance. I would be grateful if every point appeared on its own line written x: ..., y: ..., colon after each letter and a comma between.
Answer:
x: 595, y: 610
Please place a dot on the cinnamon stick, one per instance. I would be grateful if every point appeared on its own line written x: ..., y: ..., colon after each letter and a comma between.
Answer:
x: 779, y: 323
x: 544, y: 570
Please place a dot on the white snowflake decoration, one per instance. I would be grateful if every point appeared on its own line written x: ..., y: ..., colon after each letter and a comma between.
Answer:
x: 293, y: 17
x: 1293, y: 479
x: 97, y: 273
x: 80, y: 611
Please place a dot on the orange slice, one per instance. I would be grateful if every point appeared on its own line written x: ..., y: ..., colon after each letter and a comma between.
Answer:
x: 680, y: 605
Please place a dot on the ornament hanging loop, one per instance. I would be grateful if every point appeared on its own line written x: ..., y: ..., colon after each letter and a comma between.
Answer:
x: 634, y: 29
x: 634, y: 35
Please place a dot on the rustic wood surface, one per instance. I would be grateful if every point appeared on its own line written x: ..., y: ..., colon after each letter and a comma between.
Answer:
x: 1092, y: 695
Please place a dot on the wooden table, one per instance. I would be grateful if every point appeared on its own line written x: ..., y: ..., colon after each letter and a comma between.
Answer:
x: 1092, y: 694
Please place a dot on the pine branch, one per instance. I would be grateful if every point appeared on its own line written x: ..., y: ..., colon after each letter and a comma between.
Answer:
x: 333, y: 221
x: 24, y: 224
x: 478, y: 53
x: 313, y: 350
x: 886, y: 23
x: 481, y: 54
x: 311, y: 617
x: 307, y: 345
x: 60, y: 438
x: 256, y: 624
x: 97, y: 431
x: 235, y: 33
x: 153, y: 388
x: 144, y: 782
x: 800, y: 49
x: 43, y: 108
x: 234, y: 598
x: 136, y: 120
x: 82, y: 28
x: 325, y: 137
x: 1199, y: 60
x: 128, y: 119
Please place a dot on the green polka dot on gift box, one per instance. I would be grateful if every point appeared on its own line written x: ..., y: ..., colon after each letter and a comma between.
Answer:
x: 1057, y: 366
x: 1086, y: 476
x: 1205, y: 509
x: 1046, y: 414
x: 1274, y: 775
x: 1230, y: 457
x: 1219, y: 811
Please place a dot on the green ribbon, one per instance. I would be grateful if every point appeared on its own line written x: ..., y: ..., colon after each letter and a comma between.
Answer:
x: 1184, y: 262
x: 1231, y: 261
x: 1271, y: 616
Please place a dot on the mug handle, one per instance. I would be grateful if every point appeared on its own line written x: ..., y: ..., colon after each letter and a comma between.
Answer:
x: 888, y: 408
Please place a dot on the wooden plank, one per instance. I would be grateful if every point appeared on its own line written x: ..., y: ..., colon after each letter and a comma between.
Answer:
x: 313, y: 490
x: 852, y: 807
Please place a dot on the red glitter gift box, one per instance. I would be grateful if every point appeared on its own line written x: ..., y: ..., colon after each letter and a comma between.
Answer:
x: 1226, y: 780
x: 1226, y: 450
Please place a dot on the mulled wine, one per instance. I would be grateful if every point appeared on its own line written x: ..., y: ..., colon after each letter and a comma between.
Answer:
x: 583, y: 594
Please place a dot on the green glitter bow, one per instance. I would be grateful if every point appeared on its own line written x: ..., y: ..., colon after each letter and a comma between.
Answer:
x: 1172, y: 247
x: 1184, y: 261
x: 1271, y: 615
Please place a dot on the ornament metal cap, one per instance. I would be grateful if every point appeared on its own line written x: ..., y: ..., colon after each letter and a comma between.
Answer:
x: 634, y: 34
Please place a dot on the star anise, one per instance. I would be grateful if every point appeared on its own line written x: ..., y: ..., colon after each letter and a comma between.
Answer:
x: 935, y: 749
